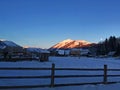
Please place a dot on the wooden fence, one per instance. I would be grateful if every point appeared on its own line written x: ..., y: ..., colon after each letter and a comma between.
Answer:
x: 52, y: 77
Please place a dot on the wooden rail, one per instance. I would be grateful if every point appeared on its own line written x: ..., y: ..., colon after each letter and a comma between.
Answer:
x: 52, y: 76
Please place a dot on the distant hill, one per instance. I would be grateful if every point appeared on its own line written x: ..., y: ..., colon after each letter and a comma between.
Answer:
x: 65, y: 44
x: 36, y: 50
x: 5, y: 43
x: 10, y: 46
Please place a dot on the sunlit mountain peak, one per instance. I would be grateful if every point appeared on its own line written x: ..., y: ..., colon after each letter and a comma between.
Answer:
x: 69, y: 43
x: 67, y: 40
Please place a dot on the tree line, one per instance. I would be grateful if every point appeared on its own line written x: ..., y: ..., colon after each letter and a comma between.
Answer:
x: 111, y: 44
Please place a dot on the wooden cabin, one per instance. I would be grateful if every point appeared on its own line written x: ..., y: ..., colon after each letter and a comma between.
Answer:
x: 75, y: 52
x: 44, y: 55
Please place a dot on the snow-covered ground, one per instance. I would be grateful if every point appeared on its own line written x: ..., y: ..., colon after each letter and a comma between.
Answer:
x: 62, y: 62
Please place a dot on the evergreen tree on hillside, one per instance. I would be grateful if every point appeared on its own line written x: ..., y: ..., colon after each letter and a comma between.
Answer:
x: 109, y: 45
x: 112, y: 43
x: 106, y: 46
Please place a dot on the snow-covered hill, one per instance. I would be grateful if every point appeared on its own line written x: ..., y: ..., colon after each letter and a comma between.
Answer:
x: 71, y: 44
x: 6, y: 43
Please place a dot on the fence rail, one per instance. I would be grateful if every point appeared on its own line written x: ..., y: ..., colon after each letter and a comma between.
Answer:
x: 52, y: 76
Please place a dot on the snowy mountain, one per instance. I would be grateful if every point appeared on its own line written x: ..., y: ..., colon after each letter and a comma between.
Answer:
x: 6, y: 43
x: 10, y: 43
x: 72, y: 44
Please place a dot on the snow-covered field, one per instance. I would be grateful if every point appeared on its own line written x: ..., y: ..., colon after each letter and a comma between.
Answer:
x: 62, y: 62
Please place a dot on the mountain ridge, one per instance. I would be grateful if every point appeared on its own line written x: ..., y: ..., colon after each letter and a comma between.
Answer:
x: 6, y: 43
x: 69, y: 43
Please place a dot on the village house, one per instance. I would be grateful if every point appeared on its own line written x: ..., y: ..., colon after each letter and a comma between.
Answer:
x: 75, y: 52
x: 44, y: 55
x: 84, y: 52
x: 37, y: 53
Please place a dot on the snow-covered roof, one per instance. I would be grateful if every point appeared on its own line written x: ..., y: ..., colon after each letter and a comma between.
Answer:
x: 61, y: 52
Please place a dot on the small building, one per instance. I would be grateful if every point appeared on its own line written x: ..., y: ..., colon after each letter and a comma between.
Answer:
x: 37, y: 53
x: 60, y: 52
x: 44, y: 55
x: 63, y: 52
x: 67, y: 52
x: 84, y: 52
x: 75, y: 52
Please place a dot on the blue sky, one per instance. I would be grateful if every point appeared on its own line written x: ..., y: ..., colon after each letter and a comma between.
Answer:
x: 43, y: 23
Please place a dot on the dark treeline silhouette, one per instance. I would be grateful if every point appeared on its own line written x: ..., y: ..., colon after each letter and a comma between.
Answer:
x: 111, y: 44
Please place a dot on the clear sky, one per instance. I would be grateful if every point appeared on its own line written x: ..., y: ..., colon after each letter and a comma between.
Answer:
x: 43, y: 23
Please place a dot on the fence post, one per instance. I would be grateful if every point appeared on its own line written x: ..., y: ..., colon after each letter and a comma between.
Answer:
x: 52, y: 75
x: 105, y: 74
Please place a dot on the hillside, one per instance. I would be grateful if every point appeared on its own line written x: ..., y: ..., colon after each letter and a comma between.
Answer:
x: 5, y: 43
x: 71, y: 44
